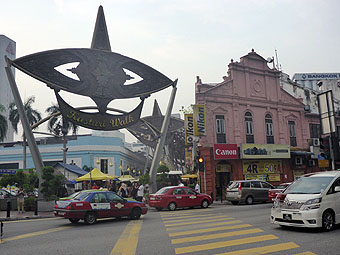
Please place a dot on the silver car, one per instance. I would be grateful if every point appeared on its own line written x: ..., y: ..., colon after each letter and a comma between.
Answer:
x: 248, y: 191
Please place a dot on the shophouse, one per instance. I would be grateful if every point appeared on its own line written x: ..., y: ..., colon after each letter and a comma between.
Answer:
x: 255, y: 129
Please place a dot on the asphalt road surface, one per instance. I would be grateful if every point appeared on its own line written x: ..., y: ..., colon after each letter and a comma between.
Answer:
x: 219, y: 229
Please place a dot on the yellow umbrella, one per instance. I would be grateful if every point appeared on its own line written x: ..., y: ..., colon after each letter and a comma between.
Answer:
x: 189, y: 176
x: 95, y: 175
x: 126, y: 178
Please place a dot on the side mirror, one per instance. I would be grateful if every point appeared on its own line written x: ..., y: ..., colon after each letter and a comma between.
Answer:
x: 337, y: 189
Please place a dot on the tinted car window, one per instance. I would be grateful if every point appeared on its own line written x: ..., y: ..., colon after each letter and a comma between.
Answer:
x: 178, y: 191
x: 266, y: 185
x: 245, y: 184
x: 112, y: 197
x: 162, y: 191
x: 255, y: 185
x: 190, y: 192
x: 99, y: 198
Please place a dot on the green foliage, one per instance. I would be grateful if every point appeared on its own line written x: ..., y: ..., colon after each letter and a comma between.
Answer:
x: 86, y: 168
x: 29, y: 201
x: 27, y: 181
x: 163, y: 169
x: 52, y: 183
x: 145, y: 179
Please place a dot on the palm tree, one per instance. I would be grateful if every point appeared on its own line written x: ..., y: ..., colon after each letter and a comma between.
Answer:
x: 33, y: 117
x: 57, y: 124
x: 3, y: 124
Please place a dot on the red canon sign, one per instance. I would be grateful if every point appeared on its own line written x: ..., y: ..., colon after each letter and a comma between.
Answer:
x: 225, y: 151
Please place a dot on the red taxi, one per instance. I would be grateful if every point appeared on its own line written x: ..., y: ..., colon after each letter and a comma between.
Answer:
x: 91, y: 205
x: 173, y: 197
x: 272, y: 193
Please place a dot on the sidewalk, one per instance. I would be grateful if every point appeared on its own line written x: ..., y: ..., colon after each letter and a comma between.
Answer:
x: 14, y: 215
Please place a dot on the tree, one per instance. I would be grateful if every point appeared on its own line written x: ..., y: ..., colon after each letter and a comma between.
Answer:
x: 33, y: 117
x: 162, y: 178
x: 3, y: 124
x: 57, y: 124
x: 52, y: 183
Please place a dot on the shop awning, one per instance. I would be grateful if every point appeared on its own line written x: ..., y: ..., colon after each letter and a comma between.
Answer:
x: 301, y: 153
x: 95, y: 175
x: 189, y: 176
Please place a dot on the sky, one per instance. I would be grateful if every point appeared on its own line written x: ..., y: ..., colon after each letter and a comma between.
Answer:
x: 182, y: 39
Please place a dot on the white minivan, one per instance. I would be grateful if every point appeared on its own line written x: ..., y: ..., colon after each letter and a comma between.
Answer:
x: 311, y: 201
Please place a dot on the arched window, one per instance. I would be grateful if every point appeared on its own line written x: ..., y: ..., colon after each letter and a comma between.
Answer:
x: 248, y: 118
x: 269, y: 129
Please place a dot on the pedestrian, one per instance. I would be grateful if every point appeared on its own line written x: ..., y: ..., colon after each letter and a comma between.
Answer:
x: 95, y: 186
x: 20, y: 200
x: 140, y: 193
x: 134, y: 190
x: 180, y: 183
x: 197, y: 188
x: 123, y: 192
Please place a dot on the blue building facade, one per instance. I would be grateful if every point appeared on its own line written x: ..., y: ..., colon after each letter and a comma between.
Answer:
x: 103, y: 150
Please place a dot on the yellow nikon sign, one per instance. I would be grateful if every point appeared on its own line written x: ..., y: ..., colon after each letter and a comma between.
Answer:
x: 200, y: 127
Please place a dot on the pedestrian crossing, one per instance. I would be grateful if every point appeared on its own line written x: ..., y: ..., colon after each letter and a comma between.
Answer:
x: 201, y: 231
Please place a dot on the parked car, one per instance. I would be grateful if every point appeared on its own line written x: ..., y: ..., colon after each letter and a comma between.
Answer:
x: 248, y: 191
x: 173, y: 197
x: 272, y: 193
x: 91, y: 205
x: 6, y: 194
x: 311, y: 201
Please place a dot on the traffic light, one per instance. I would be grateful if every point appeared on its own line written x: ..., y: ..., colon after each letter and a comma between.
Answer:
x: 200, y: 163
x: 324, y: 147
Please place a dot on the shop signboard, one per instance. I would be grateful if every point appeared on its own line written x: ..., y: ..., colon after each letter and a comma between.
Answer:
x: 200, y: 128
x: 267, y: 177
x: 262, y: 167
x: 265, y: 151
x: 323, y: 163
x: 189, y: 128
x: 225, y: 151
x: 223, y: 168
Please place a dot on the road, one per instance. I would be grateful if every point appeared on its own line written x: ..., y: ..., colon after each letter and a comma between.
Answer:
x: 220, y: 229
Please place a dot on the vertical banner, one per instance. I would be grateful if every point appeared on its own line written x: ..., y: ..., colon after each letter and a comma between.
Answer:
x: 189, y: 128
x: 199, y: 120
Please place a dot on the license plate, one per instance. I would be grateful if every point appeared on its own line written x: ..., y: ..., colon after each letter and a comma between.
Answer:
x: 152, y: 198
x: 287, y: 216
x: 61, y: 213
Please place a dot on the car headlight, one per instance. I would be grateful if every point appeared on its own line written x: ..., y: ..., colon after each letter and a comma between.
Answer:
x: 312, y: 204
x: 313, y: 201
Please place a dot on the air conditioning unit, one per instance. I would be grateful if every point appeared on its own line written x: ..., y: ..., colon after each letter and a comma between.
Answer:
x: 316, y: 142
x: 298, y: 161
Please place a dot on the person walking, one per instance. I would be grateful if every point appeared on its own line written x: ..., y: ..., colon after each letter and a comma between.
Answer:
x: 123, y: 192
x: 134, y: 190
x: 180, y: 183
x: 197, y: 188
x: 20, y: 200
x: 140, y: 193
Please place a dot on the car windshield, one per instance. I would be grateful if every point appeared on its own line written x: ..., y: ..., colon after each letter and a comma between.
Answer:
x: 81, y: 196
x: 233, y: 185
x: 309, y: 185
x: 162, y: 191
x: 282, y: 186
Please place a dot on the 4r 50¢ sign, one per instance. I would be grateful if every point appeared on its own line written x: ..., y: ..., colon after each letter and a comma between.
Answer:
x: 262, y: 166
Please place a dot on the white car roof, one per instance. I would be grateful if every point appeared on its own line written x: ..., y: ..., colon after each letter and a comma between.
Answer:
x: 326, y: 173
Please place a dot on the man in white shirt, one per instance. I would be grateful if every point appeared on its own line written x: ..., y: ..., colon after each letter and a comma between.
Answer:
x: 140, y: 193
x: 197, y: 188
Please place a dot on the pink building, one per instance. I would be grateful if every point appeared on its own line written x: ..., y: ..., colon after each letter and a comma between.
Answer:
x: 249, y: 111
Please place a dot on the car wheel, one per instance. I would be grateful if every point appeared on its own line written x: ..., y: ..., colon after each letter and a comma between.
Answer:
x: 158, y: 208
x: 234, y: 202
x: 327, y: 220
x: 74, y: 220
x: 90, y: 218
x: 135, y: 214
x: 249, y: 200
x: 172, y: 206
x: 205, y: 203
